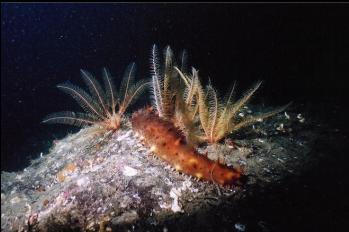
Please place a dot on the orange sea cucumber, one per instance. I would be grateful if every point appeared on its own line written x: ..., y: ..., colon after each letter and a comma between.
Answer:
x: 169, y: 143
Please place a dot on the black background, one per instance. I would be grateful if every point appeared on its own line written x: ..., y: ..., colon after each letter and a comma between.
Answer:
x: 300, y: 50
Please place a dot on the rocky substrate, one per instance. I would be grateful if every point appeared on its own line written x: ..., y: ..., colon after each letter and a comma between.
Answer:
x: 93, y: 181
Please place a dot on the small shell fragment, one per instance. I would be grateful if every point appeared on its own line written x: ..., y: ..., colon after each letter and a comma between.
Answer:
x: 281, y: 127
x: 287, y: 116
x: 128, y: 171
x: 240, y: 227
x: 301, y: 118
x: 260, y: 120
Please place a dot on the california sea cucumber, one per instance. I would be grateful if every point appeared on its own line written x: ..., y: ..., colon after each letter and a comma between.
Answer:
x: 169, y: 143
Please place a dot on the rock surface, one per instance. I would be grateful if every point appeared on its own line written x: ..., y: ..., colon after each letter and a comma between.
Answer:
x: 110, y: 182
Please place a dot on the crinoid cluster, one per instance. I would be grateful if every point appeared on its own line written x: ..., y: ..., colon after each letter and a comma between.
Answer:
x: 179, y: 96
x: 186, y: 114
x: 103, y: 106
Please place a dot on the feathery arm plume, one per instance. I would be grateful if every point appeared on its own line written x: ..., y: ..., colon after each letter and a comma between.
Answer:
x: 100, y: 105
x: 95, y: 89
x: 82, y: 98
x: 234, y: 108
x: 129, y: 90
x: 157, y: 82
x: 111, y: 93
x: 256, y: 118
x: 70, y: 118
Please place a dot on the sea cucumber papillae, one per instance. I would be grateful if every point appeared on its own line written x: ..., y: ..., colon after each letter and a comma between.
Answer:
x: 169, y: 143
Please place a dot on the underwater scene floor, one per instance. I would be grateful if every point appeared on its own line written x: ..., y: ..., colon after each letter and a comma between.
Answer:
x: 112, y: 182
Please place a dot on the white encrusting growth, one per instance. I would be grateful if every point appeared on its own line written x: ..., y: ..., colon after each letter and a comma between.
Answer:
x: 128, y: 171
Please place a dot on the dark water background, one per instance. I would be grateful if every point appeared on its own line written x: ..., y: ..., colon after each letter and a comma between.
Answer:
x: 298, y: 49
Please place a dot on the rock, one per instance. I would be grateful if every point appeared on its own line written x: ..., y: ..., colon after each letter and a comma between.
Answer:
x: 240, y: 227
x: 128, y: 171
x: 125, y: 218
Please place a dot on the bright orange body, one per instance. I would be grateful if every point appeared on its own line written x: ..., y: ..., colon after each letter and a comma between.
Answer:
x: 168, y: 143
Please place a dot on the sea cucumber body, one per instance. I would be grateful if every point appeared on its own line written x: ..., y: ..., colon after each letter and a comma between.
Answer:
x: 168, y: 143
